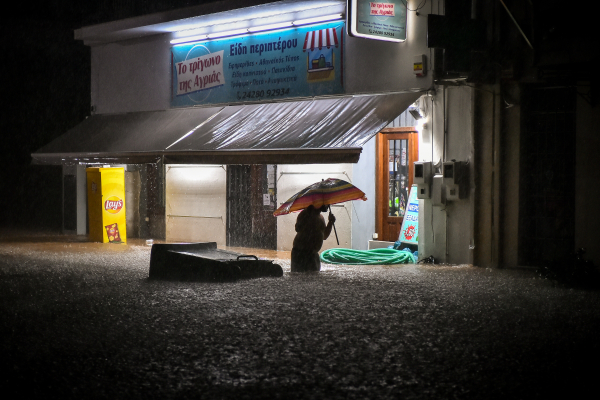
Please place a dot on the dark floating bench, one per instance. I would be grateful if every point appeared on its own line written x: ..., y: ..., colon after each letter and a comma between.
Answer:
x: 204, y: 262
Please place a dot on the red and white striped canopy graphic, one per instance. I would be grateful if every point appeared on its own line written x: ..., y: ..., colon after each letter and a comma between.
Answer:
x: 320, y: 38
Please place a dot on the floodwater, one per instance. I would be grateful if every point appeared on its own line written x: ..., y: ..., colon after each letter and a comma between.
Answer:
x: 81, y: 320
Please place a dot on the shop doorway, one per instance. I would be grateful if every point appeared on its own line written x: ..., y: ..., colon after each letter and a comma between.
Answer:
x: 397, y: 150
x: 251, y: 200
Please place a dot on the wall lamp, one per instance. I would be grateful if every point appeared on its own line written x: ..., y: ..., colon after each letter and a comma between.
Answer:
x: 416, y: 114
x: 255, y: 29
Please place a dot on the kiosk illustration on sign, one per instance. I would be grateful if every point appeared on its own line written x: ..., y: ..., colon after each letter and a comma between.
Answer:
x: 409, y: 233
x: 302, y: 61
x: 319, y: 45
x: 106, y: 205
x: 379, y: 20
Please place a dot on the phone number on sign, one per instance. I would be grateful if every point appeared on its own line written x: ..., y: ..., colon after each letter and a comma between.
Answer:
x: 257, y: 94
x: 381, y: 33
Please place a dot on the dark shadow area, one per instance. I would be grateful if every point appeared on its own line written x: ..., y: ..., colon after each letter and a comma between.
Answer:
x: 45, y: 80
x: 577, y: 272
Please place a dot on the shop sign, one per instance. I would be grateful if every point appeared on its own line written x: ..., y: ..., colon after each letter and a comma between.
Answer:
x: 379, y: 20
x: 297, y: 62
x: 409, y: 233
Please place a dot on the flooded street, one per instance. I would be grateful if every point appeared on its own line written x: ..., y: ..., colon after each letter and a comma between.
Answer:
x: 82, y: 320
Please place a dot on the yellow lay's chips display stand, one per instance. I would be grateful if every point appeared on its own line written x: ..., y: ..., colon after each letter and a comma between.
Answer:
x: 106, y: 205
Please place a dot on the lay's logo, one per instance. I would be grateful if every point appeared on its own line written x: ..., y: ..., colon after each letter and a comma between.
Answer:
x: 113, y: 205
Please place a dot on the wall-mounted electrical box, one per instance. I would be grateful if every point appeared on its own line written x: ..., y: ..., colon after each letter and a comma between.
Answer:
x: 452, y: 192
x: 420, y: 65
x: 423, y: 191
x: 423, y: 173
x: 422, y: 177
x: 455, y: 179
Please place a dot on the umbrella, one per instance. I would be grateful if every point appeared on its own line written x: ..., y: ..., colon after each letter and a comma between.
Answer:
x: 327, y: 192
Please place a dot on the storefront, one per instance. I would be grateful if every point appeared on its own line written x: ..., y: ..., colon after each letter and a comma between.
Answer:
x: 219, y: 117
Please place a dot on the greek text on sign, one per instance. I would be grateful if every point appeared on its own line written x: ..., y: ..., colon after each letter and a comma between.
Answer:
x: 413, y: 207
x: 301, y: 62
x: 204, y: 72
x: 382, y: 9
x: 378, y: 20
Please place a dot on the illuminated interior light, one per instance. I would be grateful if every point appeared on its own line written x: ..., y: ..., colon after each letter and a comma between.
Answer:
x: 324, y: 18
x: 195, y: 38
x: 189, y: 39
x: 269, y: 27
x: 227, y: 33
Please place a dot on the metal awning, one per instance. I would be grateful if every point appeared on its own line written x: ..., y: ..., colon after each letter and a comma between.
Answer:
x: 320, y: 130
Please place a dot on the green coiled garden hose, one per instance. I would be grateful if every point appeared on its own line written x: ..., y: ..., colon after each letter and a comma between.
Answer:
x: 367, y: 257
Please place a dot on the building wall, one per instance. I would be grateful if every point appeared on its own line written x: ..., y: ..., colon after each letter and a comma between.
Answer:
x: 77, y: 197
x: 133, y: 188
x: 446, y: 230
x: 485, y: 182
x: 587, y: 179
x: 131, y: 76
x: 135, y: 75
x: 459, y: 146
x: 82, y: 207
x: 509, y: 185
x: 292, y: 179
x: 363, y: 213
x: 378, y: 66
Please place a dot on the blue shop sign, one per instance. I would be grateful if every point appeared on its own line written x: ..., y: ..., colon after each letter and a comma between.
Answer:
x: 296, y: 62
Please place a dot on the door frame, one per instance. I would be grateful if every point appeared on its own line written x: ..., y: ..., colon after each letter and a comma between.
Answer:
x: 382, y: 169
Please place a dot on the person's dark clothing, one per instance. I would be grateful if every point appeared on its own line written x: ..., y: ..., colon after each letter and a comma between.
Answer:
x: 305, y: 260
x: 311, y: 231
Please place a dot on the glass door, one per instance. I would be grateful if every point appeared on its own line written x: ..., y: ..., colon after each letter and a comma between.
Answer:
x: 397, y: 176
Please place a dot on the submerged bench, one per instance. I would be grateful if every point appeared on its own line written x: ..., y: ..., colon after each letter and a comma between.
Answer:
x: 204, y: 262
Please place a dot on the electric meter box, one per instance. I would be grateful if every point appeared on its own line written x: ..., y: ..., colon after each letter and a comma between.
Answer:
x: 455, y: 179
x: 422, y: 173
x: 420, y: 65
x: 423, y: 191
x: 452, y: 192
x: 452, y: 172
x: 422, y: 176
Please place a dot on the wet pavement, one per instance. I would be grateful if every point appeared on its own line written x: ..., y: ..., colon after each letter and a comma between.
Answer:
x: 82, y: 320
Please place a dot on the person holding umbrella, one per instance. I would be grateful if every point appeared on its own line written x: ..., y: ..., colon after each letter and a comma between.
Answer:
x: 311, y: 231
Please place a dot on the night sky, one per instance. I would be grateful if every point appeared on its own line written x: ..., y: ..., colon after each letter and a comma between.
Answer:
x: 45, y: 92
